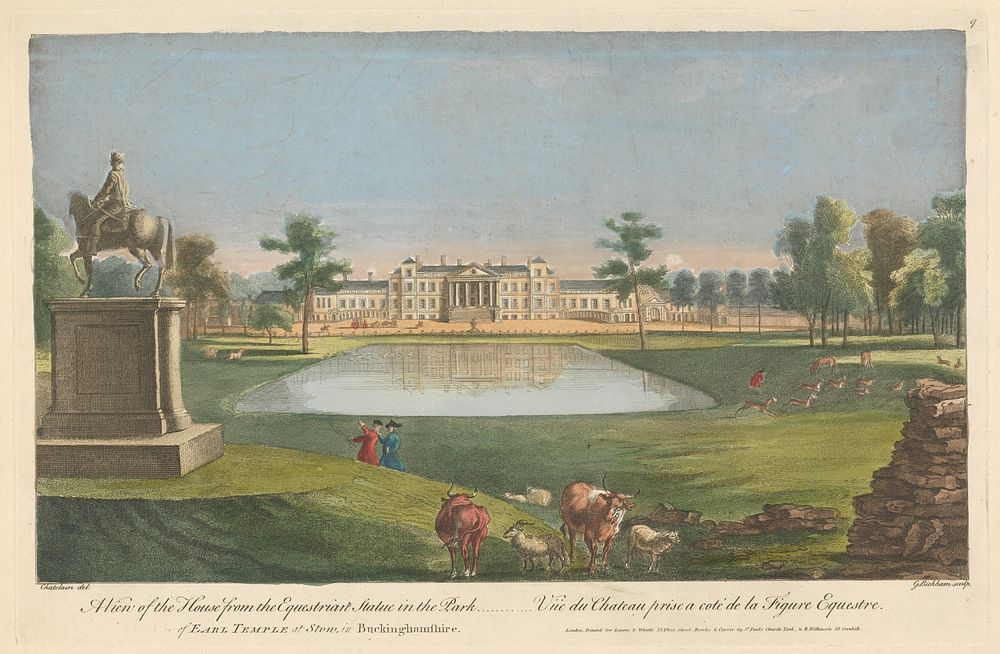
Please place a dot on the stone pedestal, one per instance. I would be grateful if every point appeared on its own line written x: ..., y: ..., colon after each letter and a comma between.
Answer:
x: 117, y: 409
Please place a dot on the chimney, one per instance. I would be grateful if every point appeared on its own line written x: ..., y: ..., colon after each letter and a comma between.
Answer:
x: 503, y: 260
x: 370, y: 275
x: 458, y: 261
x: 444, y: 259
x: 419, y: 262
x: 489, y: 263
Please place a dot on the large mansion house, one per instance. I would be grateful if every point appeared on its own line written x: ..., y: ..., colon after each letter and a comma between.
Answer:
x: 487, y: 292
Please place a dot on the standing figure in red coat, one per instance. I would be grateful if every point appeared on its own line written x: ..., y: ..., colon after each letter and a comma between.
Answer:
x: 368, y: 439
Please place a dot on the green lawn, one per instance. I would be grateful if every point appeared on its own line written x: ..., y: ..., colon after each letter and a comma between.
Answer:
x: 707, y: 460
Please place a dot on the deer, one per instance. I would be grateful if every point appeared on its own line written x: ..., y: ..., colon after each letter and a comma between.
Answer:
x: 836, y: 383
x: 865, y: 391
x: 864, y: 381
x: 807, y: 403
x: 898, y: 386
x: 943, y: 362
x: 764, y: 407
x: 814, y: 387
x: 958, y: 364
x: 822, y: 362
x: 866, y: 360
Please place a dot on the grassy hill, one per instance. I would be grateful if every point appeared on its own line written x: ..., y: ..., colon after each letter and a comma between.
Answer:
x: 258, y: 514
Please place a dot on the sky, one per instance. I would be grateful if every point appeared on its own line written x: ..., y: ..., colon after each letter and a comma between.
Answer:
x: 478, y: 145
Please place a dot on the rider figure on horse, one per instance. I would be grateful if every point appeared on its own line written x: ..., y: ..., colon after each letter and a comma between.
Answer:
x: 111, y: 203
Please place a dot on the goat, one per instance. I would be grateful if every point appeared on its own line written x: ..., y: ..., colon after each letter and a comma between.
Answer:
x: 654, y: 543
x: 531, y: 547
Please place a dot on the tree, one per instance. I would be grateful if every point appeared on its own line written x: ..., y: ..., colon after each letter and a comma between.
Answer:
x: 759, y: 290
x: 944, y: 232
x: 797, y: 289
x: 625, y: 275
x: 53, y: 274
x: 270, y: 316
x: 196, y: 278
x: 684, y: 291
x: 737, y: 293
x: 811, y: 246
x: 850, y: 283
x: 710, y: 293
x: 921, y: 287
x: 311, y: 267
x: 242, y: 291
x: 890, y: 237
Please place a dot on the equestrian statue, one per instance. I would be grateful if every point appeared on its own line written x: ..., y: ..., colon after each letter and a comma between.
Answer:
x: 110, y: 222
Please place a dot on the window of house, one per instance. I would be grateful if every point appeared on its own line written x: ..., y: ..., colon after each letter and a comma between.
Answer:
x: 423, y: 287
x: 503, y: 287
x: 505, y: 304
x: 538, y: 303
x: 409, y: 287
x: 423, y: 303
x: 552, y: 288
x: 552, y: 303
x: 607, y: 304
x: 354, y: 303
x: 572, y: 304
x: 409, y: 303
x: 433, y: 303
x: 433, y: 287
x: 538, y: 287
x: 409, y: 272
x: 381, y: 304
x: 538, y: 272
x: 524, y: 287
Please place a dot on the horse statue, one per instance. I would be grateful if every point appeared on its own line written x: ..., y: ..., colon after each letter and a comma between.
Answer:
x: 143, y: 234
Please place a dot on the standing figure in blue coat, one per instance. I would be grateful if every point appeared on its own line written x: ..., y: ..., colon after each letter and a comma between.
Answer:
x: 390, y: 447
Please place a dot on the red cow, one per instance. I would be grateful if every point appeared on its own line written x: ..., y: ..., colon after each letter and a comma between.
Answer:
x: 597, y: 514
x: 462, y: 524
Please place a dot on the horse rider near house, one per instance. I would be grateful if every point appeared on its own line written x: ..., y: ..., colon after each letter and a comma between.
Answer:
x: 111, y: 203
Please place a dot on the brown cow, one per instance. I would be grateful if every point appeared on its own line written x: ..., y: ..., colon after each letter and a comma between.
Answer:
x: 597, y: 514
x: 462, y: 524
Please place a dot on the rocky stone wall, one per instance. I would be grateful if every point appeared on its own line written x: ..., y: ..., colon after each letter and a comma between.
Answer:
x: 918, y: 509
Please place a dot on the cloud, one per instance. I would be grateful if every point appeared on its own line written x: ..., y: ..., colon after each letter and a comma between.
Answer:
x: 674, y: 261
x: 786, y: 94
x: 691, y: 82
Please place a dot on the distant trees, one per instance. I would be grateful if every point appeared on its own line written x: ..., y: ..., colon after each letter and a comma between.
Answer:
x: 53, y: 274
x: 626, y: 273
x: 944, y: 232
x: 812, y: 245
x: 737, y: 293
x: 921, y: 288
x: 849, y: 279
x: 890, y: 237
x: 312, y: 243
x: 760, y: 285
x: 683, y: 291
x: 269, y: 317
x: 709, y: 295
x: 196, y: 278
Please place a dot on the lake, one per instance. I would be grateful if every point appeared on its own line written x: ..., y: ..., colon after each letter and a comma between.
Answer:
x: 472, y: 380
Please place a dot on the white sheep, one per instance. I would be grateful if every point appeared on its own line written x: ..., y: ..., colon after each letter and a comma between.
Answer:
x: 538, y: 496
x: 531, y: 547
x: 654, y: 543
x: 516, y: 498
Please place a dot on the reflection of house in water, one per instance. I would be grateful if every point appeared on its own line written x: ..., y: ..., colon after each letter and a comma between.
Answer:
x: 473, y: 369
x: 459, y: 368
